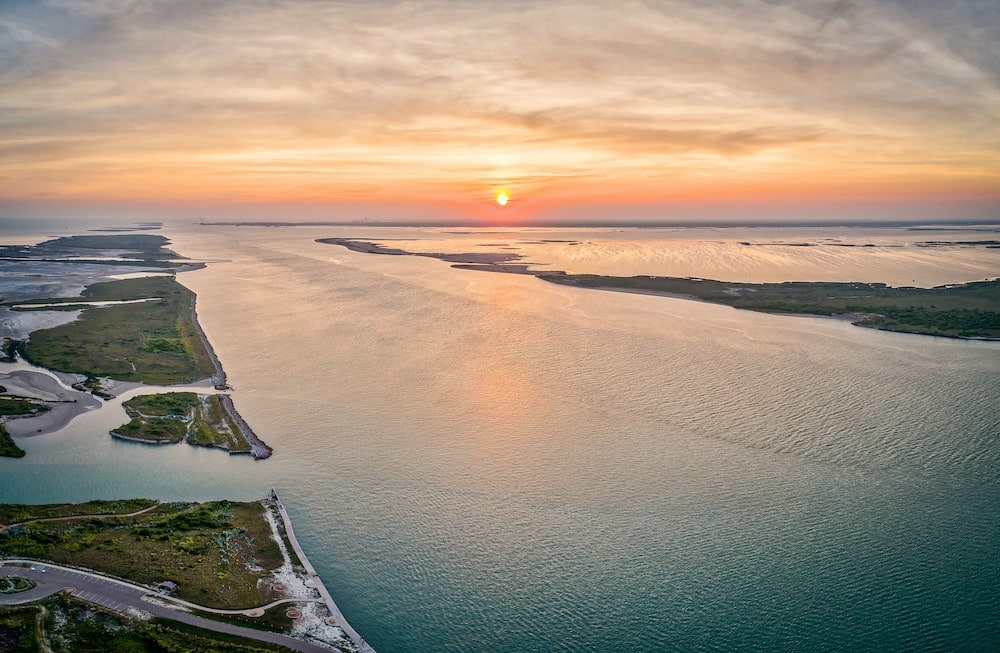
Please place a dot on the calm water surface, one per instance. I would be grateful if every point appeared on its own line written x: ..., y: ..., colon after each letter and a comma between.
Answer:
x: 484, y: 462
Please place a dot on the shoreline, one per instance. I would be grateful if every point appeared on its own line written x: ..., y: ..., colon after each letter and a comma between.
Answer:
x: 959, y: 320
x: 53, y: 388
x: 258, y: 448
x: 313, y: 580
x: 65, y: 403
x: 313, y: 629
x: 219, y: 380
x: 853, y: 318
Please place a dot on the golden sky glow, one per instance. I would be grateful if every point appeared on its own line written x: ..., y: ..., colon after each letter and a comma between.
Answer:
x: 670, y: 110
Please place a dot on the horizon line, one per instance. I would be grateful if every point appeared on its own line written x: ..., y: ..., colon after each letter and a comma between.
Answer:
x: 652, y: 224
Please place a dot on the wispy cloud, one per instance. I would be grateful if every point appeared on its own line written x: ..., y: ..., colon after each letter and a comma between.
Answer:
x: 229, y: 99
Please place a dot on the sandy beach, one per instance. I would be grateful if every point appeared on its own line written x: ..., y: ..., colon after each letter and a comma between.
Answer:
x: 64, y: 403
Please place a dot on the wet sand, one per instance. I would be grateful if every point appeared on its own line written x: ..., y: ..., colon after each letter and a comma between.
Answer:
x: 64, y: 403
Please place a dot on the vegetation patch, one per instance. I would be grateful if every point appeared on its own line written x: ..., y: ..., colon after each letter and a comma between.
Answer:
x: 141, y: 250
x: 15, y: 584
x: 216, y: 552
x: 152, y: 342
x: 171, y: 417
x: 13, y: 513
x: 7, y: 447
x: 20, y: 628
x: 93, y: 385
x: 65, y: 625
x: 20, y: 407
x: 970, y: 310
x: 11, y: 406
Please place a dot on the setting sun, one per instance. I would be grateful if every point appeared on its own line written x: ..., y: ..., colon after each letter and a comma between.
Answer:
x: 502, y: 198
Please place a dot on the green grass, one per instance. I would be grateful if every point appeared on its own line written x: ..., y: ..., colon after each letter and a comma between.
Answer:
x: 213, y: 427
x: 20, y: 406
x: 216, y: 552
x: 7, y: 447
x: 964, y: 311
x: 15, y: 584
x: 163, y: 405
x: 94, y: 386
x: 152, y: 342
x: 159, y: 431
x: 176, y: 416
x: 12, y: 513
x: 15, y: 407
x: 20, y: 628
x: 144, y: 246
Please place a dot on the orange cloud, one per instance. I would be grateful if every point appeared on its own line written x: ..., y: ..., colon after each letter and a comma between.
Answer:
x: 440, y: 103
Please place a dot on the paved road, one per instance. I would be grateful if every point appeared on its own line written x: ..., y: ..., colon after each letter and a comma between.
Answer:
x: 121, y: 597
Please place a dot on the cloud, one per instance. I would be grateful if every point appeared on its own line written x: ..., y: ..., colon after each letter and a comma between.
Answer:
x: 435, y: 92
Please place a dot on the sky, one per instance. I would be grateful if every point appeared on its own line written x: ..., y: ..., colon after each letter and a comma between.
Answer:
x: 579, y: 110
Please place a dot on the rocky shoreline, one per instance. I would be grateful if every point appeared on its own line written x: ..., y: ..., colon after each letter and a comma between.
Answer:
x: 258, y: 448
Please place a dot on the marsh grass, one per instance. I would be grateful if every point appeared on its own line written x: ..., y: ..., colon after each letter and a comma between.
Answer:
x: 216, y: 552
x: 11, y: 513
x: 174, y: 416
x: 8, y: 448
x: 962, y: 310
x: 152, y: 342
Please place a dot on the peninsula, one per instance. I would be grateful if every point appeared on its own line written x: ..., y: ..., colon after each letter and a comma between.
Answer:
x: 128, y: 332
x: 146, y: 573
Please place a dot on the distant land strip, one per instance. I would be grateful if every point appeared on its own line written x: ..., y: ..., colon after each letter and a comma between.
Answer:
x: 967, y: 311
x: 911, y: 225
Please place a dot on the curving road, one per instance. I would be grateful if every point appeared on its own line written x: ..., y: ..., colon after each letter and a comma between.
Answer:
x: 124, y: 597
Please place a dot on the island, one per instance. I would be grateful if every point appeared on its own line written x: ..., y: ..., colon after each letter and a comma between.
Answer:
x: 174, y: 417
x: 140, y: 574
x: 967, y: 310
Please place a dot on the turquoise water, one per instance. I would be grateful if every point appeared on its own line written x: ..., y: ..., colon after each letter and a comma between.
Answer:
x: 482, y: 462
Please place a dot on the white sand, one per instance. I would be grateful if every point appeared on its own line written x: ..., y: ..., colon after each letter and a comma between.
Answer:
x: 312, y: 626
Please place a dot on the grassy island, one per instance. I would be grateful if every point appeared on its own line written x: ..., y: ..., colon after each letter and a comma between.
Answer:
x: 140, y: 330
x: 969, y: 310
x: 175, y: 416
x: 154, y: 341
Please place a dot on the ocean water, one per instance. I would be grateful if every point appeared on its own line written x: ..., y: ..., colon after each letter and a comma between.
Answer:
x: 486, y: 462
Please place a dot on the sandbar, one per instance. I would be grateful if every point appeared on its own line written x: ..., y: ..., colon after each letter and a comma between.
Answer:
x: 64, y: 403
